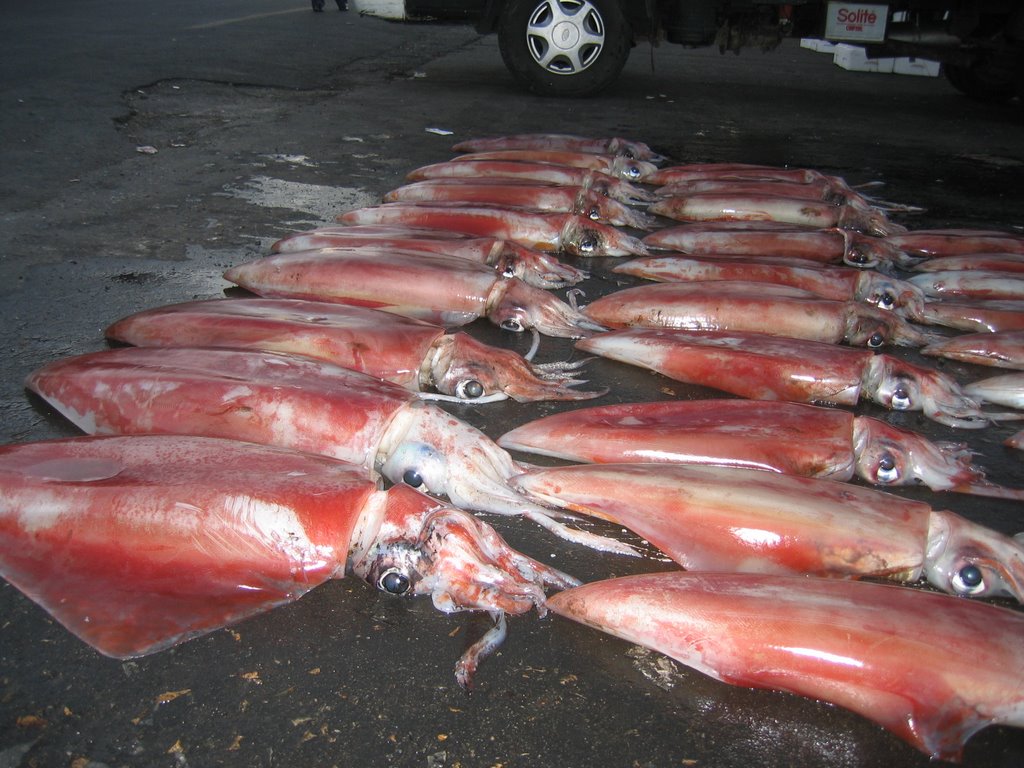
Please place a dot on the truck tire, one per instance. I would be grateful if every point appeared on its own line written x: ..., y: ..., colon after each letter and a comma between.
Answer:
x: 564, y: 47
x: 978, y: 82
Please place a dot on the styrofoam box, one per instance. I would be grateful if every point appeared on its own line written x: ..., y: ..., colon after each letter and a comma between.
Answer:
x: 853, y: 57
x: 822, y: 46
x: 921, y: 67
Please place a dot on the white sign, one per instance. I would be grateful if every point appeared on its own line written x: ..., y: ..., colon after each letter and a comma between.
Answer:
x: 856, y: 21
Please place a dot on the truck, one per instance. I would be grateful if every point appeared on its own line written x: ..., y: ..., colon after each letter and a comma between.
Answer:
x: 579, y: 47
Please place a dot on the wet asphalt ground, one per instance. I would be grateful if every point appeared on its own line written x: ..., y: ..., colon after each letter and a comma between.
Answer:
x: 147, y: 147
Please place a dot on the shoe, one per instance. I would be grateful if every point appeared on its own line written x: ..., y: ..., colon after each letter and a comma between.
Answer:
x: 318, y: 5
x: 342, y: 6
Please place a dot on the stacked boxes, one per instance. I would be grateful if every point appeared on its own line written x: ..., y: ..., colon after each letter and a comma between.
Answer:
x: 854, y: 58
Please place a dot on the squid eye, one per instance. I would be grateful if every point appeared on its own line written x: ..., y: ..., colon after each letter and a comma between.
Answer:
x: 512, y: 324
x: 594, y: 213
x: 886, y: 300
x: 469, y: 390
x: 900, y: 400
x: 877, y: 340
x: 417, y: 464
x: 857, y: 256
x: 887, y: 471
x: 509, y: 270
x: 969, y: 580
x: 588, y: 244
x: 632, y: 173
x: 394, y: 582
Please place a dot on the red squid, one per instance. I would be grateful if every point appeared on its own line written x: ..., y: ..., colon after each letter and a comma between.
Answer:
x: 138, y: 543
x: 415, y: 354
x: 975, y: 315
x: 614, y: 165
x: 429, y: 287
x: 571, y: 233
x: 953, y: 242
x: 762, y: 367
x: 562, y: 141
x: 992, y: 262
x: 543, y: 270
x: 999, y: 349
x: 505, y: 193
x: 724, y: 206
x: 931, y: 668
x: 678, y: 174
x: 621, y: 190
x: 778, y: 310
x: 294, y: 402
x: 826, y: 189
x: 827, y: 282
x: 791, y: 438
x: 971, y: 284
x: 1006, y: 389
x: 712, y: 518
x: 828, y: 246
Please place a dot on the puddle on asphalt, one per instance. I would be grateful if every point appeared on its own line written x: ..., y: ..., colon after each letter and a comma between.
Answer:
x: 322, y: 202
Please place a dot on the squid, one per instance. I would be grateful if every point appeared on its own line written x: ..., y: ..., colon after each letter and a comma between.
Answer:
x: 679, y: 174
x: 430, y: 287
x: 992, y: 262
x: 827, y: 189
x: 136, y: 544
x: 543, y: 270
x: 619, y: 189
x: 971, y: 284
x: 293, y: 402
x: 1001, y: 349
x: 953, y: 242
x: 827, y: 282
x: 976, y: 315
x: 1006, y: 389
x: 711, y: 206
x: 712, y: 518
x: 762, y: 367
x: 415, y: 354
x: 791, y: 438
x: 827, y: 246
x: 778, y: 310
x: 930, y: 668
x: 561, y: 141
x: 574, y: 234
x: 508, y: 194
x: 614, y: 165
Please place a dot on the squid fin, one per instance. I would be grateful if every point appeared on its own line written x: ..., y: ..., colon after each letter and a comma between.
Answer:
x: 113, y: 616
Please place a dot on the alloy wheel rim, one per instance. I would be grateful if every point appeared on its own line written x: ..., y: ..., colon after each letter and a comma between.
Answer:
x: 565, y: 37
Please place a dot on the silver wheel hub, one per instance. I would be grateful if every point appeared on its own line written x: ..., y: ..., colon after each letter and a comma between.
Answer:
x: 565, y: 36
